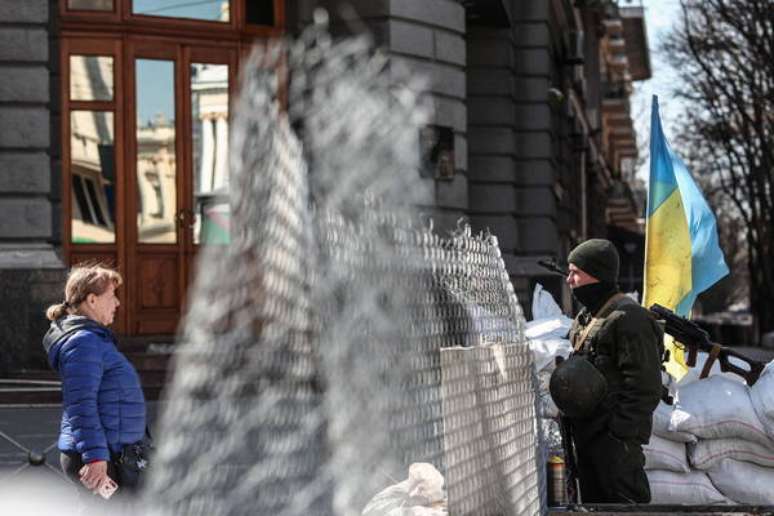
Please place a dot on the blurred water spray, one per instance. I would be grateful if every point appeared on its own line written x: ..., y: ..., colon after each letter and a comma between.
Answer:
x: 310, y: 370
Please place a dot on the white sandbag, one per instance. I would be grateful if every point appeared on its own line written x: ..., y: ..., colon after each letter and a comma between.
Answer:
x: 717, y: 408
x: 762, y: 395
x: 548, y: 328
x: 693, y: 488
x: 423, y: 489
x: 545, y: 352
x: 708, y: 452
x: 418, y: 510
x: 701, y: 358
x: 661, y: 417
x: 543, y: 304
x: 665, y: 454
x: 744, y: 482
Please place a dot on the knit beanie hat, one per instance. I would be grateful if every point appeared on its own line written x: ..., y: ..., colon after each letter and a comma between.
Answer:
x: 597, y: 257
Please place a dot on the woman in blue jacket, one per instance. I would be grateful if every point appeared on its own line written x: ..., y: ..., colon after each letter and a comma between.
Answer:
x: 103, y: 402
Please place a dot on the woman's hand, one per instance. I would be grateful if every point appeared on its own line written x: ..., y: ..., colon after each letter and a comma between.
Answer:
x: 93, y: 474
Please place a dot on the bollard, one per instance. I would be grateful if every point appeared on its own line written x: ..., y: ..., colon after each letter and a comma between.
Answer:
x: 36, y: 458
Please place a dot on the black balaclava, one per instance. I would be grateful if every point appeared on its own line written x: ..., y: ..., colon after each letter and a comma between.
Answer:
x: 594, y: 295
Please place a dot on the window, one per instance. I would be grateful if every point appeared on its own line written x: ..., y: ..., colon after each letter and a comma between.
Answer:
x: 209, y: 135
x: 211, y: 10
x: 156, y: 150
x: 259, y: 13
x: 91, y: 77
x: 91, y: 164
x: 90, y: 5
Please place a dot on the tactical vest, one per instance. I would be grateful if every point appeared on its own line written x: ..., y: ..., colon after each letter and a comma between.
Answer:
x: 582, y: 338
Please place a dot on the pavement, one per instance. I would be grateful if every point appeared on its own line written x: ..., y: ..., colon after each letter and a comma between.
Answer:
x: 31, y: 481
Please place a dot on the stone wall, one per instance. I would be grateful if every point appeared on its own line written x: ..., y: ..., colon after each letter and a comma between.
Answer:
x: 426, y: 37
x: 515, y: 132
x: 31, y: 272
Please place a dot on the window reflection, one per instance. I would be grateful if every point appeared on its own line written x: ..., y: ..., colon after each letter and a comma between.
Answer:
x: 93, y: 177
x: 209, y: 107
x: 90, y: 5
x: 156, y: 163
x: 91, y: 78
x: 211, y: 10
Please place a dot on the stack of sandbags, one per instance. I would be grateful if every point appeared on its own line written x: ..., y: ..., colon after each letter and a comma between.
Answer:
x: 731, y: 445
x: 762, y: 396
x: 666, y: 463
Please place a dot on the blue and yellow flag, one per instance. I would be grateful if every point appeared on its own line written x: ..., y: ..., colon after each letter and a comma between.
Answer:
x: 682, y: 254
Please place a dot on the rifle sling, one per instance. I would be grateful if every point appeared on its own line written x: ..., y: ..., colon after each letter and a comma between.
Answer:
x: 713, y: 355
x: 600, y: 313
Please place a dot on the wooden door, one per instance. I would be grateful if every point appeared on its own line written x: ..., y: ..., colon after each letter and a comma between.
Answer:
x: 145, y: 97
x: 177, y: 169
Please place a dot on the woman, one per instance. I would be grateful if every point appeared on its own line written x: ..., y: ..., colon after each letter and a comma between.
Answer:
x: 103, y: 403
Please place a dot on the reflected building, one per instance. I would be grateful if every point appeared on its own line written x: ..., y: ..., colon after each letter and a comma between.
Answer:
x: 92, y: 136
x: 156, y: 181
x: 209, y: 114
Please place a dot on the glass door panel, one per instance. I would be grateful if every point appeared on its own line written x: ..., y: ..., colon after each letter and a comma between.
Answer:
x: 92, y: 168
x: 156, y: 160
x: 209, y: 137
x: 91, y: 78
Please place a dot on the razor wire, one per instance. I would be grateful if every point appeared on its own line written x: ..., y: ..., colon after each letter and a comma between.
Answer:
x: 335, y: 341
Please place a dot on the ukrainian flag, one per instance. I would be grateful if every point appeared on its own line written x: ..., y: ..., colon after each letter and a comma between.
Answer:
x: 682, y: 254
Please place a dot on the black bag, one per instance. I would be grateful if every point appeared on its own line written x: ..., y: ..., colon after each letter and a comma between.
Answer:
x: 132, y: 464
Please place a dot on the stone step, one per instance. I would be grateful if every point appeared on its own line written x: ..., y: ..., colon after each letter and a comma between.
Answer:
x: 53, y: 395
x: 27, y: 391
x: 39, y: 387
x: 149, y: 361
x: 149, y: 343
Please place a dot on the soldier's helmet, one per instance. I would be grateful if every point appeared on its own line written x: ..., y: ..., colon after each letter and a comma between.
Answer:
x: 577, y: 387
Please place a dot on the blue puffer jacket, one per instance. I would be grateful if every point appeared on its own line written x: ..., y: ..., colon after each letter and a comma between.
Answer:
x: 104, y: 406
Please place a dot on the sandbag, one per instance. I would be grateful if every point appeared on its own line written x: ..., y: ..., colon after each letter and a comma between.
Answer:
x: 421, y: 494
x: 708, y: 452
x: 693, y: 488
x: 547, y: 332
x: 545, y: 352
x: 543, y: 304
x: 661, y: 417
x: 665, y: 454
x: 762, y: 396
x: 743, y: 482
x: 717, y: 408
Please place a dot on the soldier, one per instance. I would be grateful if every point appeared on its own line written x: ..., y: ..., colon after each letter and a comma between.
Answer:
x: 609, y: 405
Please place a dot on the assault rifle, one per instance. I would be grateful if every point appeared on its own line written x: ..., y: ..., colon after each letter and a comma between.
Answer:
x: 694, y: 338
x: 552, y: 266
x: 572, y: 480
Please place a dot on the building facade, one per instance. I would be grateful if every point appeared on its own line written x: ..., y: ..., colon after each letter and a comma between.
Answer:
x: 114, y: 124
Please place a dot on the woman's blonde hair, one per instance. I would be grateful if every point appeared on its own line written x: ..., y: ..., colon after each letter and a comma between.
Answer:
x: 82, y: 281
